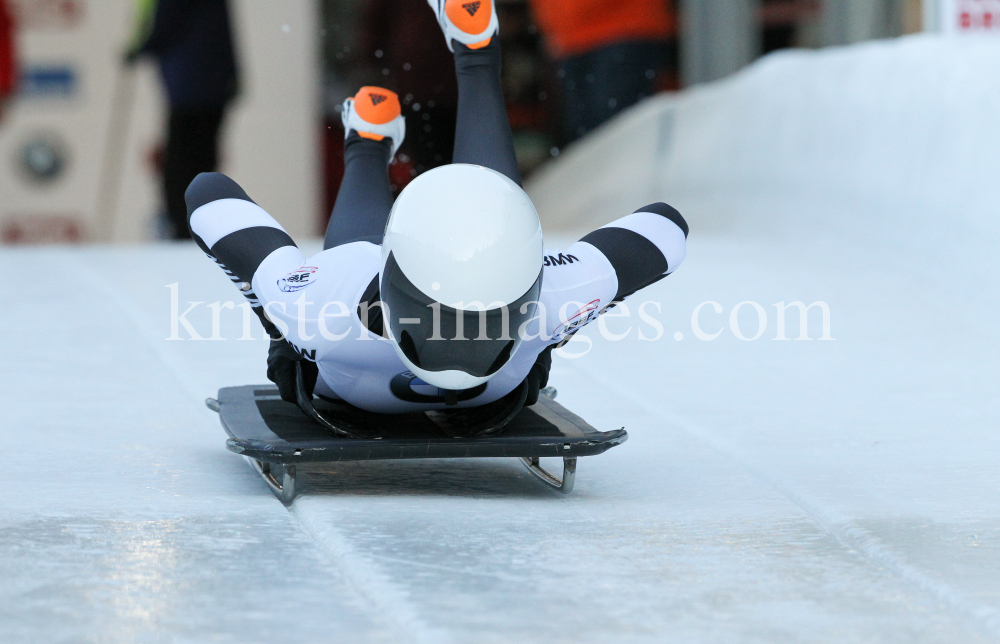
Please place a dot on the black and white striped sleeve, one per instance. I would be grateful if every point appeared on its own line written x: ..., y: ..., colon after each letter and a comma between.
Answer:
x: 235, y: 232
x: 643, y: 247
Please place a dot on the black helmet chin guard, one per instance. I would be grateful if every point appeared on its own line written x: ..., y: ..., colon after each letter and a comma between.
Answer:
x: 435, y: 337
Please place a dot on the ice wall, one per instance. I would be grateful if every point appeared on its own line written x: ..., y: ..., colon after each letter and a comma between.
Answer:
x: 892, y: 141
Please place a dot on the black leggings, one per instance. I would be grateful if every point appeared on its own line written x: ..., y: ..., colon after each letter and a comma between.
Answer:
x: 482, y: 137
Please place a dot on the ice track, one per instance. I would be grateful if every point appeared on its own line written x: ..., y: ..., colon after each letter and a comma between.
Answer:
x: 799, y: 491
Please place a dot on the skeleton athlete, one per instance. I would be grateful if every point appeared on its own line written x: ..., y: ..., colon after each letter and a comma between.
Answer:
x: 447, y: 298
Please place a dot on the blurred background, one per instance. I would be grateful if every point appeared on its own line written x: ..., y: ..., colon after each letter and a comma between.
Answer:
x: 107, y: 107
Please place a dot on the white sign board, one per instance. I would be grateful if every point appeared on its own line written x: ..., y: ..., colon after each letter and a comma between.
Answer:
x: 78, y: 142
x: 970, y: 16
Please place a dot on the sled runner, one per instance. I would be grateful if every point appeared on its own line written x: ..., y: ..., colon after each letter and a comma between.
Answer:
x: 275, y: 436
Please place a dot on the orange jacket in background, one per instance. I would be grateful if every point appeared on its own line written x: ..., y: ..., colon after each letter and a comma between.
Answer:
x: 573, y: 27
x: 8, y: 70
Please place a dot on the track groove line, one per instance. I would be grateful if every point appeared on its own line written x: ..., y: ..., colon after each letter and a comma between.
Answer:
x: 385, y: 597
x: 390, y: 604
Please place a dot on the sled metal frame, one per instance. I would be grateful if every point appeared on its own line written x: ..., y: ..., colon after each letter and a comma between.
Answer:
x: 275, y: 460
x: 565, y: 484
x: 285, y: 489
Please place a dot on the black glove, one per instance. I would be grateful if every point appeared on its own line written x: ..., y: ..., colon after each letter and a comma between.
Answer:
x: 281, y: 359
x: 538, y: 377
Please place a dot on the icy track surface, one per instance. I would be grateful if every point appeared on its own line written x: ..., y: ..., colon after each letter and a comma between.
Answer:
x: 797, y: 491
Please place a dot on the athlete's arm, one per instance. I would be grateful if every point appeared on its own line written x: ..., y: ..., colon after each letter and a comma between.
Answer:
x: 610, y: 264
x: 643, y: 247
x: 239, y: 236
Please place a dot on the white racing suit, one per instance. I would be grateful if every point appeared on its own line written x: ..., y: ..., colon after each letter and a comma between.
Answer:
x: 327, y: 307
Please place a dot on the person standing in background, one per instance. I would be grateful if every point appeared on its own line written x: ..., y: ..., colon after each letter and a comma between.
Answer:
x: 192, y: 43
x: 8, y: 65
x: 609, y: 54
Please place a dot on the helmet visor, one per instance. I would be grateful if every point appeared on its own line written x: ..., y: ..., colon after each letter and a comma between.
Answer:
x: 437, y: 337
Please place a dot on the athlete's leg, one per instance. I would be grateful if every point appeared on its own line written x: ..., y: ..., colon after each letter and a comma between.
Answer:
x: 374, y: 131
x: 482, y: 131
x: 365, y: 198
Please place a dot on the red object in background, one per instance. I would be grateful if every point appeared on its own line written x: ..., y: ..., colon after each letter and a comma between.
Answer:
x: 154, y: 159
x: 41, y: 229
x: 402, y: 170
x: 8, y: 65
x: 47, y: 15
x: 577, y: 26
x: 528, y: 116
x: 788, y: 12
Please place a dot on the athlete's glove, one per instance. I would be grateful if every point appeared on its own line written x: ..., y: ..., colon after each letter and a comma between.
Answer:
x: 538, y: 377
x: 281, y: 359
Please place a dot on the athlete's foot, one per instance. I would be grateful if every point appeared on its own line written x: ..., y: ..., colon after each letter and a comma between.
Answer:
x: 472, y: 23
x: 374, y: 113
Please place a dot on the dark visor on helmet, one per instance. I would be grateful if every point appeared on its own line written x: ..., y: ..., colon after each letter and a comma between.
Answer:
x: 436, y: 337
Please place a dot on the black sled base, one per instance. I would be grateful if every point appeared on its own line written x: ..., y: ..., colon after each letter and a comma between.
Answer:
x: 275, y: 436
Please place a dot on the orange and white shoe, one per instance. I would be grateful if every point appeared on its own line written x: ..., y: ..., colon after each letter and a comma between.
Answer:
x: 374, y: 113
x: 471, y: 22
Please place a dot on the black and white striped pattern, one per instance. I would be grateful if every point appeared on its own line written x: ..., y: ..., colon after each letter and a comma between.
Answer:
x: 235, y: 279
x: 251, y: 297
x: 643, y: 247
x: 234, y: 232
x: 231, y: 228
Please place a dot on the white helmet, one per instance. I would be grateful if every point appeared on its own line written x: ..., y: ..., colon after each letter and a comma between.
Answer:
x: 462, y: 251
